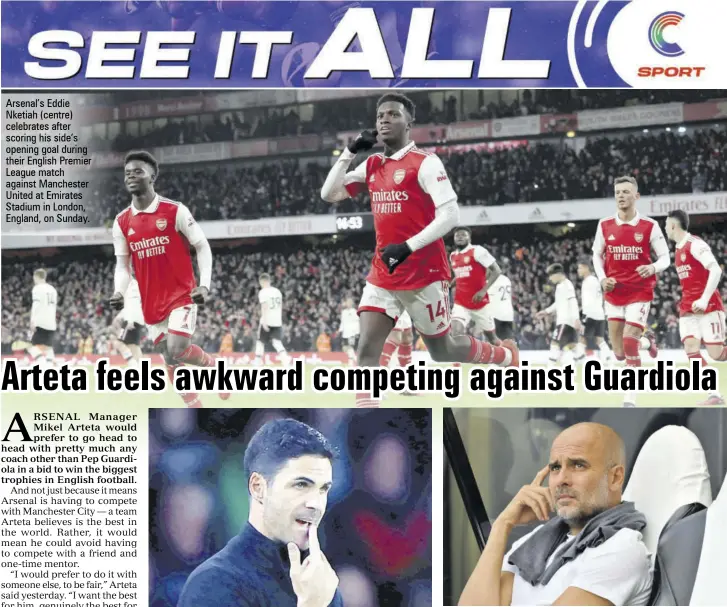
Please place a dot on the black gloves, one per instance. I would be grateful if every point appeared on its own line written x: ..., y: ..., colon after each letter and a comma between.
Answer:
x: 393, y: 255
x: 365, y: 141
x: 117, y: 301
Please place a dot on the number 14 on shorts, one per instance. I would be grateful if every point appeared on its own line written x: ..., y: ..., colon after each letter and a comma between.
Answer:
x: 442, y: 310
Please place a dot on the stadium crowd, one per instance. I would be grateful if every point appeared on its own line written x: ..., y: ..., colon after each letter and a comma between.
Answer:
x: 330, y: 117
x: 664, y: 163
x: 314, y: 283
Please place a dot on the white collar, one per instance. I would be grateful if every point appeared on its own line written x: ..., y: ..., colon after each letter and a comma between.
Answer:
x: 683, y: 241
x: 150, y: 209
x: 402, y: 152
x: 633, y: 222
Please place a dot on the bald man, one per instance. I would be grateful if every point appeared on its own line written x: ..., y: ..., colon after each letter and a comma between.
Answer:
x: 590, y: 553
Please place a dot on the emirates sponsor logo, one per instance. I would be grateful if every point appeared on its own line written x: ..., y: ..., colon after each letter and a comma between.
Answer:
x: 463, y: 271
x: 389, y: 196
x: 399, y: 175
x: 161, y: 224
x: 146, y: 243
x: 683, y: 271
x: 638, y: 237
x: 622, y: 252
x: 623, y: 248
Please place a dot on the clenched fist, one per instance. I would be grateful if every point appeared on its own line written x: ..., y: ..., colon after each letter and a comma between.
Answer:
x: 314, y: 580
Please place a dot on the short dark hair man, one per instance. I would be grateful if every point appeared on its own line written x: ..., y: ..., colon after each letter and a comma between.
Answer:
x: 591, y: 553
x: 289, y: 474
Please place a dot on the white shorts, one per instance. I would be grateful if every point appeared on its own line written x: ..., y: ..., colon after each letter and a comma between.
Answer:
x: 636, y: 314
x: 709, y: 329
x: 428, y: 306
x: 181, y: 321
x: 404, y: 322
x: 482, y: 318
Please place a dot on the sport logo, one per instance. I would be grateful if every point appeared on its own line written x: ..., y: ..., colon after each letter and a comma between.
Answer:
x: 656, y: 34
x: 161, y: 224
x: 399, y: 175
x: 638, y: 237
x: 670, y: 19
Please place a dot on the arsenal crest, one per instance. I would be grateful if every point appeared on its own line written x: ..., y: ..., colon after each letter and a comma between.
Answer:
x: 638, y: 237
x: 399, y: 175
x: 684, y: 256
x: 161, y: 224
x: 467, y: 259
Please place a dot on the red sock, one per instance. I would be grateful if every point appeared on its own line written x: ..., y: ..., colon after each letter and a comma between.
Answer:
x: 631, y: 349
x: 387, y: 353
x: 191, y: 399
x: 483, y: 353
x: 194, y: 355
x: 696, y: 356
x: 405, y: 355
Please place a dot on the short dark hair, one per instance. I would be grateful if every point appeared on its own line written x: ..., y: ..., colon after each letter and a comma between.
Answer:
x: 144, y: 156
x: 681, y: 216
x: 264, y: 276
x: 399, y: 98
x: 279, y: 441
x: 463, y: 229
x: 555, y: 268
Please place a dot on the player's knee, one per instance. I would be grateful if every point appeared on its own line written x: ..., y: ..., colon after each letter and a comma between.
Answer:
x: 175, y: 349
x: 366, y: 349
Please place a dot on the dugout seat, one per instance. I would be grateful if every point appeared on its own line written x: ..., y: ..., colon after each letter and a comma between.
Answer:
x: 670, y: 473
x: 677, y: 556
x: 709, y: 586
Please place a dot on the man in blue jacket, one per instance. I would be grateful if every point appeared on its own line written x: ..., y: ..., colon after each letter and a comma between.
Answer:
x: 276, y: 560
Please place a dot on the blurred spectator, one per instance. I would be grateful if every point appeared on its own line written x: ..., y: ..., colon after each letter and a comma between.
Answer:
x: 314, y: 282
x: 664, y: 163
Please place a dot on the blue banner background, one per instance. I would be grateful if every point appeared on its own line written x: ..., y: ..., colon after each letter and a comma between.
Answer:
x: 538, y: 30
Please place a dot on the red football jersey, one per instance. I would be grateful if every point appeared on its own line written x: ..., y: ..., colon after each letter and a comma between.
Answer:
x: 624, y: 246
x: 692, y: 255
x: 470, y: 269
x: 405, y: 189
x: 157, y: 240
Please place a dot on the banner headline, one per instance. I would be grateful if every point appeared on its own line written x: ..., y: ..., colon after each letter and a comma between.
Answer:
x: 355, y: 44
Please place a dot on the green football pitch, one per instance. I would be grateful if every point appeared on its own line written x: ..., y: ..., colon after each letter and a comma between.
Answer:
x: 309, y: 398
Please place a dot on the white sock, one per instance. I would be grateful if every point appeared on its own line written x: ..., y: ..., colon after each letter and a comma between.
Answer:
x: 579, y: 353
x: 644, y: 343
x: 566, y: 358
x: 348, y: 350
x: 604, y: 351
x: 554, y: 356
x: 34, y: 352
x: 280, y: 349
x: 50, y: 355
x: 259, y: 349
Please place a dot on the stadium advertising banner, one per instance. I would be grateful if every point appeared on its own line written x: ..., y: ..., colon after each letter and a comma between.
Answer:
x: 324, y: 303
